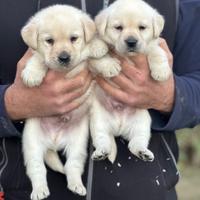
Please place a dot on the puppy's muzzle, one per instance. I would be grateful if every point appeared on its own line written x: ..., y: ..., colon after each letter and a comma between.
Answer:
x: 131, y: 43
x: 64, y: 58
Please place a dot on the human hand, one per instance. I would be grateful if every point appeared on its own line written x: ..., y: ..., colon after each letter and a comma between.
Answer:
x: 56, y: 95
x: 135, y: 87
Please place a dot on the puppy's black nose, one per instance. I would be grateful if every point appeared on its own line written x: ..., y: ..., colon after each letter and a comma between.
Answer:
x: 64, y: 57
x: 131, y: 42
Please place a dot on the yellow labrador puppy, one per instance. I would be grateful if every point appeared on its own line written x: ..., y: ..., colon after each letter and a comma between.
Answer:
x: 129, y: 27
x: 62, y: 38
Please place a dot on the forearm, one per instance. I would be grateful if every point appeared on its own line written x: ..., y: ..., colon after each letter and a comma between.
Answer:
x: 163, y: 96
x: 186, y: 108
x: 7, y: 128
x: 16, y: 101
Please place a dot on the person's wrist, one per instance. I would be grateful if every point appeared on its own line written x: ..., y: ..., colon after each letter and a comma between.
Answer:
x: 167, y: 99
x: 167, y: 108
x: 9, y: 103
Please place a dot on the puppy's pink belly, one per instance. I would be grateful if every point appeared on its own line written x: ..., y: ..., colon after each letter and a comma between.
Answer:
x: 56, y: 128
x: 55, y: 125
x: 115, y: 107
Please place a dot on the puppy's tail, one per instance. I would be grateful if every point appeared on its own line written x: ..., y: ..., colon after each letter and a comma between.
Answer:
x: 113, y: 154
x: 53, y: 161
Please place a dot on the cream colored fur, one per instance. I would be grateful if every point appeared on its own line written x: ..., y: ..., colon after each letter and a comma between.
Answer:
x: 122, y: 20
x: 49, y: 33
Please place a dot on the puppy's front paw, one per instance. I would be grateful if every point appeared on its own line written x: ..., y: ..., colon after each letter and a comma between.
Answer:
x: 77, y: 188
x: 40, y: 192
x: 32, y: 78
x: 99, y: 154
x: 110, y: 68
x: 98, y: 49
x: 161, y: 72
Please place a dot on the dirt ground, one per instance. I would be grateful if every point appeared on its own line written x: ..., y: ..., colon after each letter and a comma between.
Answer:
x: 188, y: 187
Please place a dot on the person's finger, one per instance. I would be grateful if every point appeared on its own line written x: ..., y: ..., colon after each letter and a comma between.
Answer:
x: 28, y: 53
x: 70, y: 97
x: 116, y: 55
x: 83, y: 73
x: 76, y: 100
x: 76, y: 82
x: 111, y: 90
x: 71, y: 106
x: 140, y: 61
x: 130, y: 71
x: 164, y: 46
x: 78, y: 96
x: 123, y: 82
x: 22, y: 62
x: 89, y: 80
x: 82, y: 90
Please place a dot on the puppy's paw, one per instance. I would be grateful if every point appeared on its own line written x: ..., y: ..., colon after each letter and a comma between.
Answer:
x: 161, y: 72
x: 77, y: 188
x: 98, y: 49
x: 40, y: 192
x: 32, y: 78
x: 110, y: 68
x: 142, y: 152
x: 99, y: 154
x: 146, y: 155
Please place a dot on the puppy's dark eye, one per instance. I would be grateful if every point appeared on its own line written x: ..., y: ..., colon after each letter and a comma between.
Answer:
x: 73, y: 38
x: 142, y: 27
x: 119, y: 28
x: 50, y: 41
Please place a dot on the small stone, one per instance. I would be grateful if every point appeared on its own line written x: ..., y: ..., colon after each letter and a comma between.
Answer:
x: 157, y: 181
x: 129, y: 157
x: 119, y: 165
x: 164, y: 170
x: 118, y: 184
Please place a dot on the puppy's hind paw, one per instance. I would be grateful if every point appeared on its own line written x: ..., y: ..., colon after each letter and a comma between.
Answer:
x: 99, y: 155
x: 78, y: 189
x: 141, y: 152
x: 39, y: 193
x: 146, y: 155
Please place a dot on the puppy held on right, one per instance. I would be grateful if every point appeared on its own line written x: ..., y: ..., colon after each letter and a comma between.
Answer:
x: 129, y: 27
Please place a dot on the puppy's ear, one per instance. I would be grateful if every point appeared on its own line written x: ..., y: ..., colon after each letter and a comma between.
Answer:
x: 88, y: 28
x: 158, y: 24
x: 101, y: 21
x: 29, y: 33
